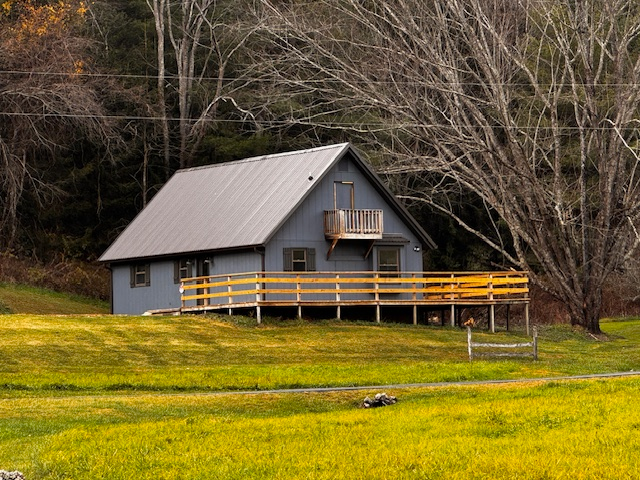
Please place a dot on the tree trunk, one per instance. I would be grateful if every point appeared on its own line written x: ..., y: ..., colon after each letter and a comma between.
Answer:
x: 591, y: 311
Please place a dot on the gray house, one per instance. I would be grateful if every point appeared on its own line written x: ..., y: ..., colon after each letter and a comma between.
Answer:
x: 317, y: 210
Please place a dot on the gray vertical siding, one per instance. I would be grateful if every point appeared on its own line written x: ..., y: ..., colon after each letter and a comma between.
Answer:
x: 163, y: 293
x: 305, y: 228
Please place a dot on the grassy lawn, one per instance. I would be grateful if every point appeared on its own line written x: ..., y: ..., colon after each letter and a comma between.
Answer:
x: 88, y: 397
x: 84, y: 354
x: 31, y: 300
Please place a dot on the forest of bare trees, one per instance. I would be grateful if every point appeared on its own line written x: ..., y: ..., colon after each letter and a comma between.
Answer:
x: 525, y: 111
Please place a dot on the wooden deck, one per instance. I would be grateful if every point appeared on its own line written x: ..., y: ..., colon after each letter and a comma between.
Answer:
x: 344, y: 289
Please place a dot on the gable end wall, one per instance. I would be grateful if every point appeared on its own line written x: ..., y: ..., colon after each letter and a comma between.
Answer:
x: 305, y: 227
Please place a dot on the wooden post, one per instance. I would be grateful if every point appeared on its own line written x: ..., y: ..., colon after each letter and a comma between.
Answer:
x: 376, y: 278
x: 338, y: 296
x: 492, y: 307
x: 182, y: 301
x: 415, y: 299
x: 230, y: 294
x: 469, y: 343
x: 535, y: 343
x: 258, y: 313
x: 526, y: 311
x: 453, y: 306
x: 508, y: 309
x: 492, y: 318
x: 298, y: 296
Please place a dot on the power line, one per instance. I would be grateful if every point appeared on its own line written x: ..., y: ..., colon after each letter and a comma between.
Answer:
x: 303, y: 82
x: 267, y: 123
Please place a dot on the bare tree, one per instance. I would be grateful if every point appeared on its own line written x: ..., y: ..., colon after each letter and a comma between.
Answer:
x: 531, y: 105
x: 205, y: 36
x: 158, y: 8
x: 45, y: 101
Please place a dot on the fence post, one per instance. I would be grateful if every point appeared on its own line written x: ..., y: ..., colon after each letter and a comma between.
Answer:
x: 229, y: 290
x: 415, y: 300
x: 492, y: 307
x: 338, y: 296
x: 376, y: 278
x: 258, y: 313
x: 183, y: 303
x: 535, y: 343
x: 298, y: 295
x: 453, y: 305
x: 469, y: 343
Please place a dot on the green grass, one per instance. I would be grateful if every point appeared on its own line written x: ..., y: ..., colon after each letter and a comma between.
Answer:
x: 109, y: 397
x: 110, y: 353
x: 32, y: 300
x: 580, y: 430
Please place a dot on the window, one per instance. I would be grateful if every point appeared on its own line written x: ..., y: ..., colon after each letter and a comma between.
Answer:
x: 140, y: 275
x: 299, y: 259
x: 389, y: 260
x: 182, y: 269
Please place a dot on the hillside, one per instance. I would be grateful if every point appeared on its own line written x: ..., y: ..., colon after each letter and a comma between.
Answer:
x: 33, y: 300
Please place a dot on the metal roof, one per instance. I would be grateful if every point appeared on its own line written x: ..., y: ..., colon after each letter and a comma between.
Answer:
x: 227, y: 205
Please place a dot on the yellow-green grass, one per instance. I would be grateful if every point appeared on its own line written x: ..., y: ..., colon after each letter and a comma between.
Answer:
x: 109, y: 397
x: 84, y: 354
x: 31, y: 300
x: 558, y: 430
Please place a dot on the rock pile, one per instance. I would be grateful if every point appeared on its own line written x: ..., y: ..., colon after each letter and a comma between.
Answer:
x: 4, y: 475
x: 379, y: 400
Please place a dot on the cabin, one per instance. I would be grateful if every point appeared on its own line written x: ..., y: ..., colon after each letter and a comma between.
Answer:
x: 308, y: 228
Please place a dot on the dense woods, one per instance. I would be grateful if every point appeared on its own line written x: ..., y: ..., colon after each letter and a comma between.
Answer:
x: 510, y: 128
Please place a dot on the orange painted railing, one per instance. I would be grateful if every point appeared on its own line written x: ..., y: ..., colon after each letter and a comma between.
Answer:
x: 351, y: 288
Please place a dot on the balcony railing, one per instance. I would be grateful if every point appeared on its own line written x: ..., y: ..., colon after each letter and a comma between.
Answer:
x: 353, y: 223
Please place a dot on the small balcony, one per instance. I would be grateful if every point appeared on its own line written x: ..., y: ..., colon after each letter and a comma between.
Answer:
x: 355, y: 224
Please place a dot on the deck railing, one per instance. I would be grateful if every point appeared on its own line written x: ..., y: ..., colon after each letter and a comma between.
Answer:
x: 351, y: 223
x: 263, y: 289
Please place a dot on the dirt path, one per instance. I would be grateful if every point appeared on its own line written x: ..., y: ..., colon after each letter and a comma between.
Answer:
x: 358, y: 388
x: 424, y: 385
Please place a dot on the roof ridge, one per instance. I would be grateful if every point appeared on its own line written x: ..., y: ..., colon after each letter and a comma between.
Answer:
x: 260, y: 158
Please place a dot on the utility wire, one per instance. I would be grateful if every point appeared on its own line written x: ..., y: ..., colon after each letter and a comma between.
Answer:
x: 269, y: 80
x: 328, y: 124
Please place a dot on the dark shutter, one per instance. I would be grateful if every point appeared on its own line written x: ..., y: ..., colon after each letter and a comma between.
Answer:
x: 287, y: 264
x: 189, y: 269
x: 147, y: 269
x: 176, y: 271
x: 132, y: 276
x: 311, y: 259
